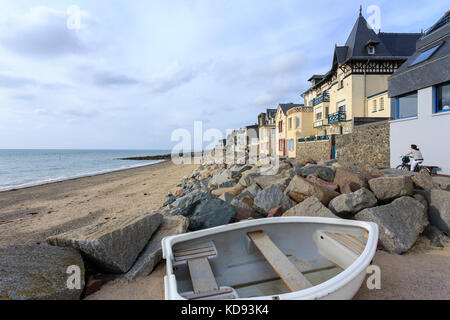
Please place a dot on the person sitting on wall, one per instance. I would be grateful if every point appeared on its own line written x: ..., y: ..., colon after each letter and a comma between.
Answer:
x: 416, y: 155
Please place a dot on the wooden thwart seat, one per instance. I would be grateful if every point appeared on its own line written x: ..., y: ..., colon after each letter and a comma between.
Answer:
x: 204, y: 283
x: 285, y: 269
x: 200, y: 251
x: 202, y: 277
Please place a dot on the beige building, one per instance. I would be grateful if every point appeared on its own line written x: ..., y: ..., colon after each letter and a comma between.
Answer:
x: 357, y: 83
x: 299, y: 123
x: 281, y: 127
x: 267, y: 129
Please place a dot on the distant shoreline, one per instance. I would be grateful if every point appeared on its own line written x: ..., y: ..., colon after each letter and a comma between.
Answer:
x: 161, y: 157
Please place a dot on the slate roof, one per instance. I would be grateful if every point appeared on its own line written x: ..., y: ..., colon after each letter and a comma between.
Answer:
x: 412, y: 76
x: 388, y: 46
x: 271, y: 113
x: 285, y: 107
x: 316, y: 76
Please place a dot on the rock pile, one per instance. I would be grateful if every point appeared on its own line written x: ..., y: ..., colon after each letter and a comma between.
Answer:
x: 401, y: 203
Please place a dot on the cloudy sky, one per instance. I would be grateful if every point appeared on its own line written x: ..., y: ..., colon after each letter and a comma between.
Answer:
x: 134, y: 71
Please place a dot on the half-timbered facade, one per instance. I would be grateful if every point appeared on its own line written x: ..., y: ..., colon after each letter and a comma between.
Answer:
x: 358, y: 79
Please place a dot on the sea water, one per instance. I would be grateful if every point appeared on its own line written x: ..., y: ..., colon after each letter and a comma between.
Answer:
x: 25, y: 168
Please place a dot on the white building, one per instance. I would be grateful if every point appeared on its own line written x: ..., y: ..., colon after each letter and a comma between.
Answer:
x: 420, y: 92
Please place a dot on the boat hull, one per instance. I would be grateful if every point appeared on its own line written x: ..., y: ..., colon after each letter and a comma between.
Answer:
x: 305, y: 240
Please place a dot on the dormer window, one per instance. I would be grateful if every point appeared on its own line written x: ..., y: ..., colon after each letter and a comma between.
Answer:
x: 371, y: 50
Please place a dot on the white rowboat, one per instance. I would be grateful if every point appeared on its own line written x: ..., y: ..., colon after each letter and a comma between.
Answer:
x: 286, y: 258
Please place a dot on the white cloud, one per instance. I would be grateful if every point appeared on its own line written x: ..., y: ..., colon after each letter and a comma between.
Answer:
x: 43, y: 32
x: 172, y: 77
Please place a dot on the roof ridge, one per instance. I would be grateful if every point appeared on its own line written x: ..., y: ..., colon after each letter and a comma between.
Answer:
x: 411, y: 33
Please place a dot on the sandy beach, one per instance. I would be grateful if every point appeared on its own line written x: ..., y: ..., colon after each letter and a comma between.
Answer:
x: 31, y: 215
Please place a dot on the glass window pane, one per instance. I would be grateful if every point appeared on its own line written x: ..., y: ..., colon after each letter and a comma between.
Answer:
x: 407, y: 106
x: 443, y: 97
x: 424, y: 55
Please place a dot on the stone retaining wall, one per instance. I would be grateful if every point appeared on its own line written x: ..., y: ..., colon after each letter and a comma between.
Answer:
x: 368, y: 144
x: 318, y: 150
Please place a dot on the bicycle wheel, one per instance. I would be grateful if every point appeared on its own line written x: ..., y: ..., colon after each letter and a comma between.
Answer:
x: 402, y: 167
x: 426, y: 170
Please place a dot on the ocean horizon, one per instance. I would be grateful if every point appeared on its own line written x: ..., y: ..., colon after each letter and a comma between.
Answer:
x: 23, y: 168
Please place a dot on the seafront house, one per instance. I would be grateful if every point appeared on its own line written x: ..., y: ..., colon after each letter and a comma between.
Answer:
x: 354, y: 90
x: 251, y: 134
x: 281, y: 127
x: 420, y: 94
x: 299, y: 124
x: 267, y: 127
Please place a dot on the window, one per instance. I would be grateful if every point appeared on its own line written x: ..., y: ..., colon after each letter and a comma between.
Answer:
x: 442, y: 94
x: 341, y: 106
x: 319, y: 113
x: 371, y: 50
x: 280, y: 126
x: 406, y: 106
x: 341, y: 82
x: 381, y: 104
x: 374, y: 106
x: 425, y: 55
x: 290, y: 123
x: 297, y: 122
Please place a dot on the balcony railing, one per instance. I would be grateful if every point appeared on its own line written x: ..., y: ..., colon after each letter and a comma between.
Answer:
x: 323, y: 138
x: 320, y: 123
x: 324, y: 97
x: 337, y: 117
x: 312, y: 139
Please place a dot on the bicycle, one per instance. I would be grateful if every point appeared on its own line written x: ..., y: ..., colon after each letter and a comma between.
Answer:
x: 405, y: 166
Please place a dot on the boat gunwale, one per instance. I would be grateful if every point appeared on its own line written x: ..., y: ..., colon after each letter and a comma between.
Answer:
x: 316, y: 292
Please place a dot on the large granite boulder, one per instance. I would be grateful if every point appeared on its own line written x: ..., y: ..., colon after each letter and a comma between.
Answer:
x: 187, y: 203
x: 355, y: 180
x: 227, y: 197
x: 221, y: 177
x: 439, y: 211
x: 235, y: 190
x: 211, y: 213
x: 299, y: 189
x: 388, y: 188
x: 423, y: 180
x: 40, y: 272
x: 237, y: 170
x: 311, y: 207
x: 248, y: 180
x: 435, y: 236
x: 400, y: 223
x: 297, y: 166
x: 152, y: 253
x: 321, y: 172
x: 374, y: 172
x: 347, y: 205
x: 244, y: 208
x: 266, y: 181
x: 323, y: 183
x: 112, y: 246
x: 254, y: 189
x: 272, y: 197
